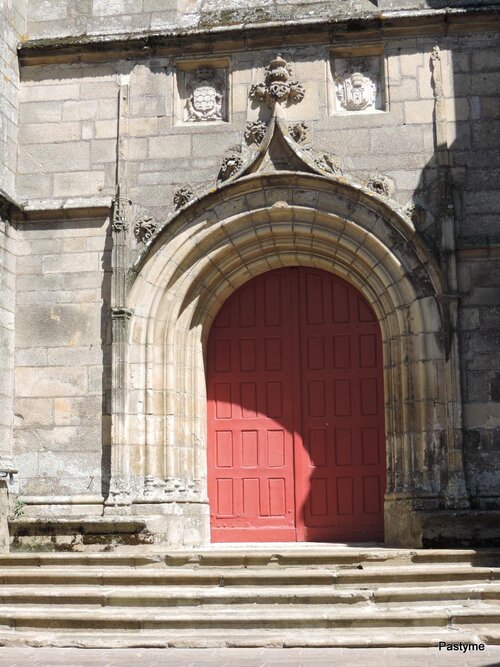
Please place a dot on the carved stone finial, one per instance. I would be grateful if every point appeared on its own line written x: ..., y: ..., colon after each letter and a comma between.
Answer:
x: 182, y: 196
x: 145, y: 227
x: 330, y: 163
x: 299, y: 132
x: 356, y: 88
x: 205, y: 91
x: 255, y: 131
x: 381, y: 185
x: 278, y: 85
x: 230, y: 165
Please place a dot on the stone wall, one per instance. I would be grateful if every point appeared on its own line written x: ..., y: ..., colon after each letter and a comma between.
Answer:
x: 68, y: 139
x: 476, y: 160
x: 62, y: 357
x: 12, y: 28
x: 7, y: 315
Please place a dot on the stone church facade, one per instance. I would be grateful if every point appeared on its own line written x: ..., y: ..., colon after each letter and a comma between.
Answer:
x: 155, y: 158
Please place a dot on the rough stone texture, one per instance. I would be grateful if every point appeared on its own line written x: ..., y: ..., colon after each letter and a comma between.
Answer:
x: 62, y: 357
x: 12, y: 27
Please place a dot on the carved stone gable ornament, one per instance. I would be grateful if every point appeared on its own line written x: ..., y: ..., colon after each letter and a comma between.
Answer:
x: 278, y: 85
x: 356, y: 87
x: 205, y: 95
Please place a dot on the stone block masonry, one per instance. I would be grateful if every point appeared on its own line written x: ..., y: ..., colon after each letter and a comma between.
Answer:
x: 62, y: 356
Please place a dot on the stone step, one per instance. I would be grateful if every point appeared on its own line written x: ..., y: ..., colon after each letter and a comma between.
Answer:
x: 68, y: 618
x: 257, y: 557
x: 236, y: 639
x: 414, y: 575
x: 171, y: 596
x: 237, y: 597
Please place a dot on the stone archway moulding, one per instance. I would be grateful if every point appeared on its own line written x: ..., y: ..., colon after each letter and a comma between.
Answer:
x: 258, y: 223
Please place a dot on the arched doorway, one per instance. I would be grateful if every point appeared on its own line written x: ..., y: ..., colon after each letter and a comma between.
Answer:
x: 296, y: 439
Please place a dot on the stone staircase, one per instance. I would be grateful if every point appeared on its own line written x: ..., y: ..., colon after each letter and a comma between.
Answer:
x: 288, y: 595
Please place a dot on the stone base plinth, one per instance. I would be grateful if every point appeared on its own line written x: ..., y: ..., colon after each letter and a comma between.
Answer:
x: 406, y: 527
x: 146, y: 525
x: 78, y: 533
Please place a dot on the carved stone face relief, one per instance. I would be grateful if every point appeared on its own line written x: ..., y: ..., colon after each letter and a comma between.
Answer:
x: 205, y: 95
x: 358, y: 85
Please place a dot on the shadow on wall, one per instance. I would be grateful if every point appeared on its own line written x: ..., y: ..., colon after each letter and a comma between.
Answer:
x: 459, y: 186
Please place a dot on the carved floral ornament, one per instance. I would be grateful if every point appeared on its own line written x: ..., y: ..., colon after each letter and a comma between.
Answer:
x: 230, y: 166
x: 145, y: 227
x: 278, y: 85
x: 381, y: 185
x: 299, y: 132
x: 182, y: 196
x: 255, y: 131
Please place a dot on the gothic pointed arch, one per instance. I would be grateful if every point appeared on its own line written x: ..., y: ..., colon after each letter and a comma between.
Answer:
x: 256, y: 223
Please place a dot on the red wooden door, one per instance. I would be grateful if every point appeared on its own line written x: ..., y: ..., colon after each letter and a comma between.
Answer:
x: 295, y: 412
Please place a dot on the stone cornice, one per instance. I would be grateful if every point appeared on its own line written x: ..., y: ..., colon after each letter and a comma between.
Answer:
x: 337, y: 31
x: 8, y: 207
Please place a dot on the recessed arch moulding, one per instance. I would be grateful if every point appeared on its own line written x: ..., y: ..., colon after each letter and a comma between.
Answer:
x: 210, y: 248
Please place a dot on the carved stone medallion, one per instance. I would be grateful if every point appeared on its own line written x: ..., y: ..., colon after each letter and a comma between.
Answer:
x: 357, y: 85
x: 205, y: 92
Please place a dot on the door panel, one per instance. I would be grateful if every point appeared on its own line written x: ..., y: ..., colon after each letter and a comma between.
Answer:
x: 295, y: 412
x: 342, y: 407
x: 252, y: 401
